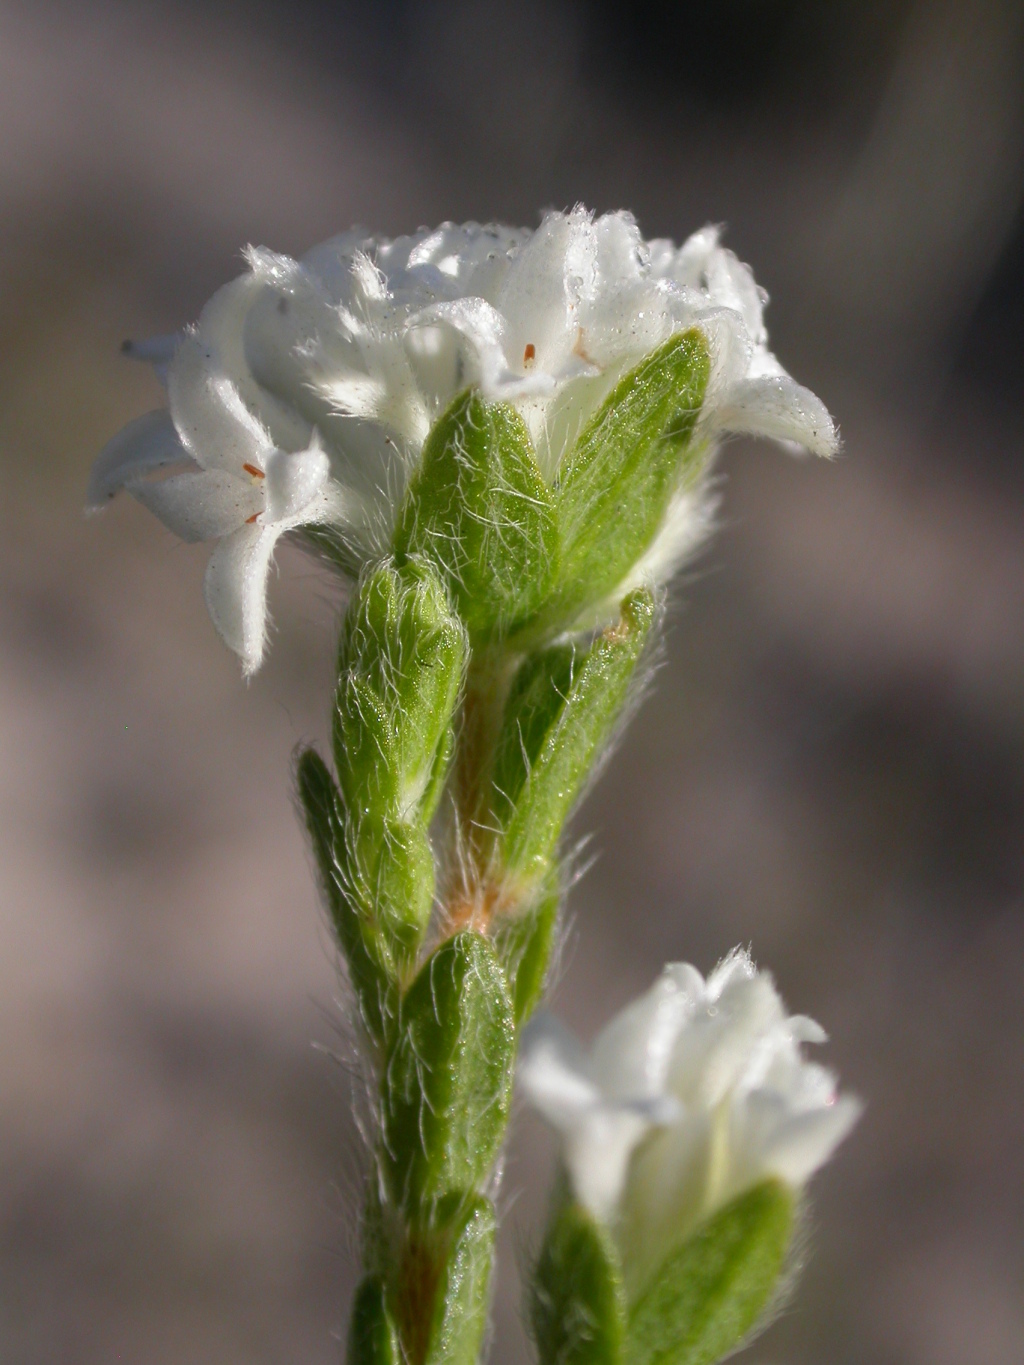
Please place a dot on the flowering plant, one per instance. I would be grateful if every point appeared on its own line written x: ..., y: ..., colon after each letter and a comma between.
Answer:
x: 501, y: 440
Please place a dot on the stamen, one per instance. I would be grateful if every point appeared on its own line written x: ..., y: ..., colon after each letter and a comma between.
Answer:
x: 529, y: 355
x: 256, y: 473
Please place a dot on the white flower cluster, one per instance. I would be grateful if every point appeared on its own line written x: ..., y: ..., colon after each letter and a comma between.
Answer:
x: 695, y: 1092
x: 304, y: 393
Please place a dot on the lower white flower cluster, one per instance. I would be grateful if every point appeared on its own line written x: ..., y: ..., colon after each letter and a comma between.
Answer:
x: 694, y: 1093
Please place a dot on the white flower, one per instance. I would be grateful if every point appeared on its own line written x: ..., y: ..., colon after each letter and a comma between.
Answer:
x: 695, y: 1092
x: 325, y: 375
x: 234, y: 486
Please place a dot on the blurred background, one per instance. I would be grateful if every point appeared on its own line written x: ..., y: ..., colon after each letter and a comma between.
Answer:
x: 831, y: 767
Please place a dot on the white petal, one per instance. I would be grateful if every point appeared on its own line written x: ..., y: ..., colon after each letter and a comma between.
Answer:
x: 368, y: 283
x: 805, y: 1141
x: 631, y: 1057
x: 731, y: 352
x: 295, y: 342
x: 665, y: 1193
x: 468, y: 260
x: 599, y: 1135
x: 689, y: 263
x: 540, y: 294
x: 803, y: 1029
x: 215, y: 426
x: 551, y: 1072
x: 235, y: 588
x: 222, y: 330
x: 619, y: 249
x: 354, y: 395
x: 715, y: 1050
x: 782, y: 410
x: 293, y: 482
x: 147, y: 444
x: 475, y: 322
x: 204, y: 505
x: 597, y: 1153
x: 331, y: 262
x: 726, y: 282
x: 734, y: 967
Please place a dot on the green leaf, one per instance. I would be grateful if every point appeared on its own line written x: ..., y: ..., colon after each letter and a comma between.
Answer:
x: 523, y: 940
x: 448, y: 1085
x: 400, y: 666
x: 558, y: 718
x: 372, y: 1338
x: 709, y: 1293
x: 614, y: 487
x: 388, y: 873
x: 461, y: 1299
x: 479, y: 508
x: 577, y: 1304
x: 370, y: 961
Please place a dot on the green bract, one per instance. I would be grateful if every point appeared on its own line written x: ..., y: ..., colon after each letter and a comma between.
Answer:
x: 361, y: 936
x: 614, y: 487
x: 577, y: 1305
x: 480, y: 510
x: 462, y: 1247
x: 372, y: 1336
x: 709, y: 1293
x: 400, y: 666
x: 448, y: 1084
x: 564, y: 704
x: 524, y: 938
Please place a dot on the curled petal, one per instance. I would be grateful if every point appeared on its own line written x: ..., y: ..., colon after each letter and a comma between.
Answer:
x: 632, y: 1054
x: 803, y: 1142
x: 143, y: 446
x: 293, y: 482
x: 203, y: 505
x: 216, y: 427
x: 781, y: 409
x: 235, y: 588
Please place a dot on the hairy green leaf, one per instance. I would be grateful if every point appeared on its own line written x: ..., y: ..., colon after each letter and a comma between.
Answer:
x: 372, y: 1338
x: 479, y: 508
x: 367, y: 951
x: 577, y: 1306
x: 400, y: 666
x: 561, y: 712
x: 523, y: 940
x: 448, y: 1084
x: 459, y: 1315
x: 615, y: 485
x: 708, y: 1294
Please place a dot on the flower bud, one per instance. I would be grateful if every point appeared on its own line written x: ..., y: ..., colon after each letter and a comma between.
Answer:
x: 689, y: 1133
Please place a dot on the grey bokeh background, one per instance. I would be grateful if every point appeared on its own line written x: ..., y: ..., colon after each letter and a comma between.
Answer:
x: 831, y: 767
